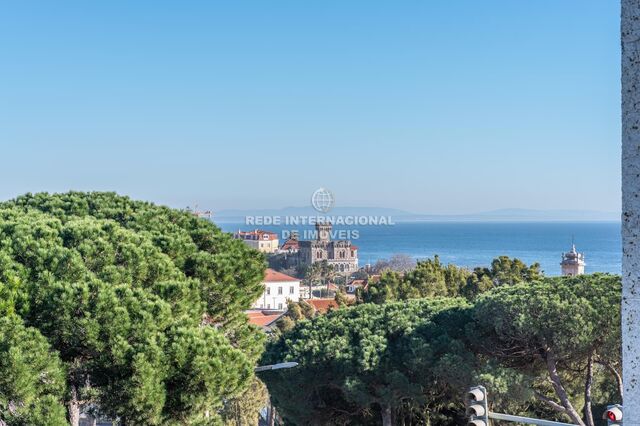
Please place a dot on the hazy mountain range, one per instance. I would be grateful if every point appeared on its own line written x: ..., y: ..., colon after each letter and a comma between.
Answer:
x: 501, y: 215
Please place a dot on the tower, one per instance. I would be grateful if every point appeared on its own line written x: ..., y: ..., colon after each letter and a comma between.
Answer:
x: 324, y: 231
x: 572, y: 263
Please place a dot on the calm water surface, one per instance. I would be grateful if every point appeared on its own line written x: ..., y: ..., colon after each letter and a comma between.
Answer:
x: 476, y: 244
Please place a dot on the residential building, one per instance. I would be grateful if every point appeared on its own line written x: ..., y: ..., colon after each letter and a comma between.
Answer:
x: 266, y: 320
x: 291, y: 246
x: 305, y: 292
x: 263, y: 241
x: 278, y: 289
x: 354, y: 285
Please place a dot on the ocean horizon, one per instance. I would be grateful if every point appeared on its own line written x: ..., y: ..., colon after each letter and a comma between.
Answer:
x: 473, y: 244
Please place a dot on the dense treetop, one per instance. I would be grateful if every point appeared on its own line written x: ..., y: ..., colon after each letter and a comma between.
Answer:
x: 356, y: 364
x: 547, y: 348
x: 141, y: 303
x: 430, y: 277
x: 31, y: 377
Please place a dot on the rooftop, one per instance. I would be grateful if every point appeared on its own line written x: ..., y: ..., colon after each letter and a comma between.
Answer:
x: 262, y: 319
x: 271, y: 275
x: 256, y: 234
x: 322, y: 305
x: 290, y: 244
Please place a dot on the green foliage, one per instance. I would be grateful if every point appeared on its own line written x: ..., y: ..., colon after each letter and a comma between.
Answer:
x: 571, y: 316
x: 503, y: 271
x: 31, y: 377
x: 556, y: 325
x: 144, y: 304
x: 357, y: 361
x: 244, y: 409
x: 418, y: 356
x: 296, y: 311
x: 431, y: 278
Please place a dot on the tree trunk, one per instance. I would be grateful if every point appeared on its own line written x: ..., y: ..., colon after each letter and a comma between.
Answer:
x: 271, y: 418
x: 387, y: 419
x: 559, y: 388
x: 617, y: 375
x: 588, y: 415
x: 74, y: 407
x: 630, y: 37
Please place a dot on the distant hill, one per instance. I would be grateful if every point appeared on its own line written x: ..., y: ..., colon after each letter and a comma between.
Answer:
x: 501, y: 215
x: 550, y: 215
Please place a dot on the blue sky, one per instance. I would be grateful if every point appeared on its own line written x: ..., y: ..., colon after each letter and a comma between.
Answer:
x: 427, y: 106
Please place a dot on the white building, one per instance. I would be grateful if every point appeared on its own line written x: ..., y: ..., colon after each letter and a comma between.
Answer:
x: 278, y: 289
x: 572, y: 263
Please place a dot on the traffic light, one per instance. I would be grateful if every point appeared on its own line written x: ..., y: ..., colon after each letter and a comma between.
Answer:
x: 477, y: 406
x: 613, y: 415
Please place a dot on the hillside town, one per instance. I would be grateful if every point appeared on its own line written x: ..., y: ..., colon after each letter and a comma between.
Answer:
x: 323, y: 273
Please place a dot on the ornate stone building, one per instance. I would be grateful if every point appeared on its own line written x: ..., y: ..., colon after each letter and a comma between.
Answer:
x: 340, y: 253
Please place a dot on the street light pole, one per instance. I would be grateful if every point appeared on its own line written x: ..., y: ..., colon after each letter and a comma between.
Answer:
x: 280, y: 366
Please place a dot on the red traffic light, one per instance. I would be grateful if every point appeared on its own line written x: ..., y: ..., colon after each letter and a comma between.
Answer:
x: 613, y: 413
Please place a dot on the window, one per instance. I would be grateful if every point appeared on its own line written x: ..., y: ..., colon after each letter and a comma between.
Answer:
x: 292, y: 290
x: 268, y: 305
x: 279, y: 290
x: 279, y: 306
x: 268, y: 291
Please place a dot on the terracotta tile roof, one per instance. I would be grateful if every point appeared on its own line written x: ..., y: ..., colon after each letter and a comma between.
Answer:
x: 274, y: 276
x: 262, y: 319
x: 357, y: 283
x: 322, y: 305
x: 257, y: 234
x: 354, y: 247
x: 290, y: 244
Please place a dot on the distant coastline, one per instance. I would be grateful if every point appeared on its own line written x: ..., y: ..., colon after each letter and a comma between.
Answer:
x: 501, y: 215
x: 470, y: 244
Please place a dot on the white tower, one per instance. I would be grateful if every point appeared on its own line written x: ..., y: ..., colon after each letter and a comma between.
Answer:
x: 572, y: 263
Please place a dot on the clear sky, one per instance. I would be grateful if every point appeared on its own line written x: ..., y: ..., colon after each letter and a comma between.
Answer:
x: 428, y: 106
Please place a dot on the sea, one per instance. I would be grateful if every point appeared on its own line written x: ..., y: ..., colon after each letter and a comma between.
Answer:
x: 471, y: 244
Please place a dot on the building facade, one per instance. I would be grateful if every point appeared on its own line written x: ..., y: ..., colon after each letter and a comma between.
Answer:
x: 279, y: 288
x: 263, y: 241
x: 572, y: 263
x: 341, y: 254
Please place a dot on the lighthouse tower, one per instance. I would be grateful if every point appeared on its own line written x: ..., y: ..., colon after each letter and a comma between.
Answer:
x: 572, y: 263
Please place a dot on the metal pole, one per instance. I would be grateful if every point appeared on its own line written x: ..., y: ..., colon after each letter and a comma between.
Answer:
x: 526, y: 420
x: 279, y: 366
